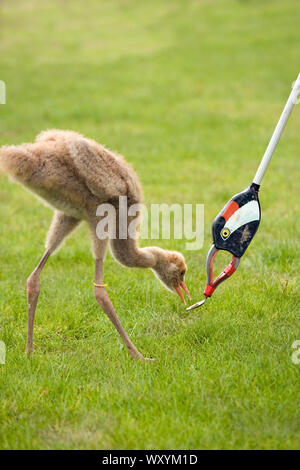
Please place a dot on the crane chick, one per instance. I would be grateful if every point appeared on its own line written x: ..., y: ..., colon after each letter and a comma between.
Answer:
x: 75, y: 175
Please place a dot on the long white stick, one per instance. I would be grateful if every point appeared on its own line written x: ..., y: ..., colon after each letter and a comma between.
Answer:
x: 278, y: 131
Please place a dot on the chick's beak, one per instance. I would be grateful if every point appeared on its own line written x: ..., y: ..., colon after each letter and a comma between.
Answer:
x: 185, y: 289
x: 183, y: 286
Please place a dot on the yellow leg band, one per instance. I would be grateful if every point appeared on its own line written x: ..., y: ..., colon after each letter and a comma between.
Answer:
x: 100, y: 285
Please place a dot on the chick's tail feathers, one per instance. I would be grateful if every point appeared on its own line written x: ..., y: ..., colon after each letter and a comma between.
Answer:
x: 18, y: 162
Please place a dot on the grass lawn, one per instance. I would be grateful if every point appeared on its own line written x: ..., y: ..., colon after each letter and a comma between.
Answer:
x: 190, y: 93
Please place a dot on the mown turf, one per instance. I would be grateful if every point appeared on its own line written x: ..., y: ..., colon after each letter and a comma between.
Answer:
x: 189, y: 92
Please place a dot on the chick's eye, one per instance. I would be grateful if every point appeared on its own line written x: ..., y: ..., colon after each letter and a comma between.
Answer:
x: 182, y: 273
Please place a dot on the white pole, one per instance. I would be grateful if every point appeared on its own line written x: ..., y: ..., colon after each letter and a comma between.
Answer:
x: 278, y: 131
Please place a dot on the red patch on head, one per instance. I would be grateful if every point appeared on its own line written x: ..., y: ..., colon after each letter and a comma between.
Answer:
x: 230, y: 209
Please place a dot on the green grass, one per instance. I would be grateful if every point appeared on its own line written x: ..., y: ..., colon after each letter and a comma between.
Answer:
x: 189, y: 92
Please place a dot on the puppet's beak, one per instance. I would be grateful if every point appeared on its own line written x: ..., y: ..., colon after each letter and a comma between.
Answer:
x: 179, y: 292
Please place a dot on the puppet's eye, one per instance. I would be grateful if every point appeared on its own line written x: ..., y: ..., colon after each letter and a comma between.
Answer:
x: 225, y: 233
